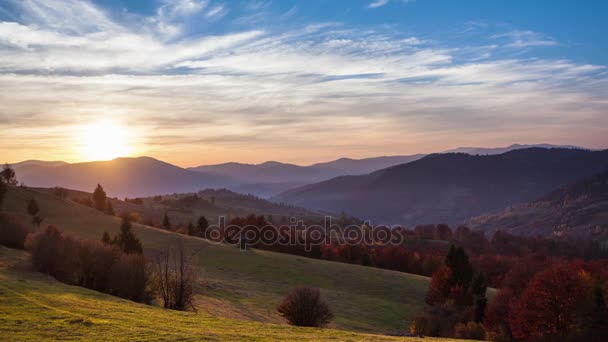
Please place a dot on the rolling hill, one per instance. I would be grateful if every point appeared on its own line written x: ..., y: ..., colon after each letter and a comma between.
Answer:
x: 35, y: 307
x: 449, y: 188
x: 500, y: 150
x: 248, y: 285
x: 575, y: 210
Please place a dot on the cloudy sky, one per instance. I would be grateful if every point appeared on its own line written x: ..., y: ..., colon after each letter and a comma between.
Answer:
x: 204, y: 81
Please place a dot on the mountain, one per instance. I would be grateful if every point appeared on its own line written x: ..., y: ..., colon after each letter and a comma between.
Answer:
x: 130, y: 177
x: 500, y: 150
x: 449, y: 188
x: 576, y: 210
x: 271, y: 178
x: 347, y: 166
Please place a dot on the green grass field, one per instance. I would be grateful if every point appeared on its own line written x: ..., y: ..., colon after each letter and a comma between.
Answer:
x: 248, y: 285
x: 36, y: 307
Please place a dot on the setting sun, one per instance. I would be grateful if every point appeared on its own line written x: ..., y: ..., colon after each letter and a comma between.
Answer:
x: 105, y: 140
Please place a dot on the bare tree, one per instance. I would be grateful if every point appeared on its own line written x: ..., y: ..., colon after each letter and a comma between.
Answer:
x: 174, y: 278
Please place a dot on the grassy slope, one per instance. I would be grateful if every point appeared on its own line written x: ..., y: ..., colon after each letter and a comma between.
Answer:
x: 249, y: 285
x: 35, y: 307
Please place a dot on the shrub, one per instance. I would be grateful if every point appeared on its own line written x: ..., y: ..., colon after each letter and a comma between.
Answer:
x: 12, y: 232
x: 91, y: 264
x: 304, y: 307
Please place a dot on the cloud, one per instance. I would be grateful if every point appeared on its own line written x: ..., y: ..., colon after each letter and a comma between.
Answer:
x: 525, y: 39
x: 377, y: 3
x: 216, y: 11
x: 313, y: 90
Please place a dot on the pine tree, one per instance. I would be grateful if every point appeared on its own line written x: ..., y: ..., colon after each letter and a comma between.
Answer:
x: 202, y: 226
x: 191, y: 230
x: 33, y: 209
x: 166, y: 222
x: 126, y: 240
x: 99, y: 198
x: 105, y: 238
x: 458, y: 262
x: 7, y: 175
x: 110, y: 208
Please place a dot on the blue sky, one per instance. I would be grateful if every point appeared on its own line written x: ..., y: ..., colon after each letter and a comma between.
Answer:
x: 204, y: 81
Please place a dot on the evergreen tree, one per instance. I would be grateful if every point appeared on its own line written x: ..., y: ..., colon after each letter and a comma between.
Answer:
x: 110, y: 208
x: 458, y: 262
x: 126, y: 240
x: 202, y: 226
x: 33, y: 209
x: 191, y: 230
x: 166, y: 222
x: 105, y: 238
x: 99, y: 198
x: 3, y: 190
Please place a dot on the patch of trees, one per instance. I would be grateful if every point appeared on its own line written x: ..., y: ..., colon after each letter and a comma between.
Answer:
x: 98, y: 200
x: 457, y: 300
x: 304, y: 307
x: 91, y: 264
x: 12, y: 231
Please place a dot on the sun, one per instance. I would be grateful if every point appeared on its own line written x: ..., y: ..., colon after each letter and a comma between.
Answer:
x: 105, y: 140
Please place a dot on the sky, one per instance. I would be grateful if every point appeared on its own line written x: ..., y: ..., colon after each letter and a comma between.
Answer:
x: 196, y: 82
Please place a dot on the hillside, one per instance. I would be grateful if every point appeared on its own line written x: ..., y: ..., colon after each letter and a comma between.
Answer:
x: 575, y: 210
x: 449, y: 188
x: 35, y: 307
x: 249, y: 285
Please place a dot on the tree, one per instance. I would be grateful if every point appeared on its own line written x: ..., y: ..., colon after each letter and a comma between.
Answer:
x: 439, y: 288
x: 166, y: 222
x: 7, y: 175
x: 106, y: 239
x: 109, y: 208
x: 304, y: 307
x: 3, y: 191
x: 191, y: 229
x: 458, y: 262
x: 547, y: 308
x: 126, y: 240
x: 174, y: 278
x: 99, y: 198
x: 202, y: 226
x: 33, y: 209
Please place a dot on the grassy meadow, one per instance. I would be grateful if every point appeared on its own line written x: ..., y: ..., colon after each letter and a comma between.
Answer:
x: 248, y: 285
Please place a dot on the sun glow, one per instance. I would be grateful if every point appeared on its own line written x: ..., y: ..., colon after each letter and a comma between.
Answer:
x: 105, y: 140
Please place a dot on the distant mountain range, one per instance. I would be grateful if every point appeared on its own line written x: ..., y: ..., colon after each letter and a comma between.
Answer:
x: 147, y: 176
x: 449, y: 188
x: 575, y: 210
x: 500, y: 150
x: 120, y: 177
x: 272, y: 177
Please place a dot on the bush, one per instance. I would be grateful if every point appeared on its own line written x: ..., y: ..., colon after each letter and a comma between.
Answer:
x: 12, y: 232
x: 304, y: 307
x: 90, y: 264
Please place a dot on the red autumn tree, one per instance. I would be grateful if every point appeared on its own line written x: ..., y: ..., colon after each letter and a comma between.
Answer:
x: 441, y: 284
x: 547, y: 308
x: 495, y: 320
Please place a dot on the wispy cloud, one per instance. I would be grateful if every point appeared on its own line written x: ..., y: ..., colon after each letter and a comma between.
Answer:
x: 305, y: 89
x: 377, y: 3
